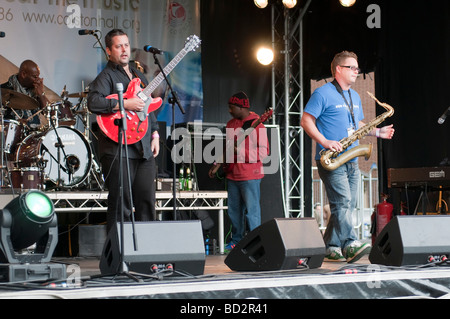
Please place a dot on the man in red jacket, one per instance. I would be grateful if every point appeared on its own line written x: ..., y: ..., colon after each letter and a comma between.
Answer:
x: 243, y: 166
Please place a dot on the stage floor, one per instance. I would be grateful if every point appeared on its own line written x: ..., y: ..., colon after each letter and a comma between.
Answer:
x: 214, y: 265
x: 333, y: 280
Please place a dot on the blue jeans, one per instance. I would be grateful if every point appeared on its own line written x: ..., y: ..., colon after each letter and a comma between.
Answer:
x: 341, y: 186
x: 243, y: 201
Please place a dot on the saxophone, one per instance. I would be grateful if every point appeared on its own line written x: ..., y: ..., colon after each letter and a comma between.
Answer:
x: 330, y: 160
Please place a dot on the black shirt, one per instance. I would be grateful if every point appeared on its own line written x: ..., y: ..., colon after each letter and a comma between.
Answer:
x: 99, y: 89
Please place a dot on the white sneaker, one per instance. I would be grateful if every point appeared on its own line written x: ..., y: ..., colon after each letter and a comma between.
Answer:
x: 334, y: 254
x: 356, y: 250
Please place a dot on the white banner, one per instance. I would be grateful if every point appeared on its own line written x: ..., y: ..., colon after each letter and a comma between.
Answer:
x: 47, y: 32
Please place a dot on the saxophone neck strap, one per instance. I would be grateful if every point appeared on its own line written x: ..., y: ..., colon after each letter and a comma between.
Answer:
x: 350, y: 105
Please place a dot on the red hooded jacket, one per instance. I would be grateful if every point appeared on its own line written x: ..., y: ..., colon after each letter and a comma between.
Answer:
x: 246, y: 163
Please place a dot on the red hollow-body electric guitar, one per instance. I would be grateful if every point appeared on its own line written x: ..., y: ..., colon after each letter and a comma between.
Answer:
x: 137, y: 124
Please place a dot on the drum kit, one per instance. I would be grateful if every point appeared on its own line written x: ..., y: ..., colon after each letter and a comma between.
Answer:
x: 54, y: 156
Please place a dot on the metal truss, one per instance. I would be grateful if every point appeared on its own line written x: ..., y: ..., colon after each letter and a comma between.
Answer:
x: 86, y: 202
x: 287, y: 99
x: 79, y: 202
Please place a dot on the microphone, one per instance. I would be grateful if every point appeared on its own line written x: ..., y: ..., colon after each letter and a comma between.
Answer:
x: 84, y: 32
x: 2, y: 34
x: 441, y: 120
x: 150, y: 49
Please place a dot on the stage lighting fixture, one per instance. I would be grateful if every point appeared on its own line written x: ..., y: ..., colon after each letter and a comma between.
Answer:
x: 29, y: 220
x: 289, y: 3
x: 347, y: 3
x: 261, y: 3
x: 265, y: 56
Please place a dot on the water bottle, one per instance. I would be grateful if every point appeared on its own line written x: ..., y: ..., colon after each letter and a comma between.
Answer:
x: 188, y: 180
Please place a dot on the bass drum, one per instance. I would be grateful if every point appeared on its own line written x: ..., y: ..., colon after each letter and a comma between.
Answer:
x: 70, y: 165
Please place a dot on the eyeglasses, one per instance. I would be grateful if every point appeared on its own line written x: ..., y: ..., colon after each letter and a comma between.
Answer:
x: 351, y: 67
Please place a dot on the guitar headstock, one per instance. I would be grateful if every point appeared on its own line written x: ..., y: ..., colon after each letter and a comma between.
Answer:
x: 267, y: 114
x: 192, y: 43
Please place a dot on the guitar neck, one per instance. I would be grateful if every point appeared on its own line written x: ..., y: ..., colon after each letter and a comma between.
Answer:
x: 247, y: 132
x: 167, y: 69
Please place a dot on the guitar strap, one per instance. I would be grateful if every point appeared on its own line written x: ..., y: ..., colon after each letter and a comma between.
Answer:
x: 227, y: 167
x: 142, y: 85
x: 247, y: 124
x: 141, y: 115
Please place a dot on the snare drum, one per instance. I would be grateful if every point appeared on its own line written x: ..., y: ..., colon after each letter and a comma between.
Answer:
x: 13, y: 135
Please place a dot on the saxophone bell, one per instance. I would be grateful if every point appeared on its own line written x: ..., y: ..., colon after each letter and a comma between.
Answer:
x: 330, y: 164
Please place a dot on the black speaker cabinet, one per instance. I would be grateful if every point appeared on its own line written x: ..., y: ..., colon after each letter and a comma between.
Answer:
x: 411, y: 240
x: 160, y: 245
x: 272, y: 201
x: 281, y: 243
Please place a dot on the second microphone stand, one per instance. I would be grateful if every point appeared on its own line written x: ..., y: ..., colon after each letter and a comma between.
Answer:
x: 68, y: 168
x: 173, y: 100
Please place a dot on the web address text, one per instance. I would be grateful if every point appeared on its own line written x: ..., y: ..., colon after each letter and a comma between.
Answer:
x: 70, y: 20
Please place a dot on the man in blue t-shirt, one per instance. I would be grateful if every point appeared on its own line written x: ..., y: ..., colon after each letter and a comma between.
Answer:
x: 334, y: 112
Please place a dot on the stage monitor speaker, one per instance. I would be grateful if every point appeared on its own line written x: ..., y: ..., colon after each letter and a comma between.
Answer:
x: 412, y: 240
x: 272, y: 203
x: 281, y: 243
x: 161, y: 245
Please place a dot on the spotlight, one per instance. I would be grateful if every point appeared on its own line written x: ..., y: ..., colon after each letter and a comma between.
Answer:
x: 261, y: 3
x: 28, y: 220
x: 264, y: 56
x: 289, y: 3
x: 347, y: 3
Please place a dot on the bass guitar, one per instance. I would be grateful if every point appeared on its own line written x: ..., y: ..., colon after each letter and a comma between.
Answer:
x: 137, y: 124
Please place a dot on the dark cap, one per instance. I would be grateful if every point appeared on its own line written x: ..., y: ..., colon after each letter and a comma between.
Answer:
x: 239, y: 99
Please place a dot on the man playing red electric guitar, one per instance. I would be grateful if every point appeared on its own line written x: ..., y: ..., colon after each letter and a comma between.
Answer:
x: 142, y: 153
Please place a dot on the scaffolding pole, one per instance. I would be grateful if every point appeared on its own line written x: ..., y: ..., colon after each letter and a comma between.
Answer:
x: 288, y: 99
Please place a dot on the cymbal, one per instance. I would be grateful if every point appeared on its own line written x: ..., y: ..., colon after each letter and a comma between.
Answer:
x: 16, y: 100
x: 78, y: 95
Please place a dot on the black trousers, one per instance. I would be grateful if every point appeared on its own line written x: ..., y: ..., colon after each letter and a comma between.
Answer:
x: 143, y: 187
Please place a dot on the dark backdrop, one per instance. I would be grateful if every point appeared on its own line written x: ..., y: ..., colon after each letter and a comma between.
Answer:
x: 410, y: 55
x: 230, y: 32
x: 412, y: 76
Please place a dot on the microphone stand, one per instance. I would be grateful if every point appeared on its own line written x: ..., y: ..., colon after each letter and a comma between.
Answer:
x: 101, y: 46
x: 122, y: 124
x: 60, y: 146
x: 173, y: 100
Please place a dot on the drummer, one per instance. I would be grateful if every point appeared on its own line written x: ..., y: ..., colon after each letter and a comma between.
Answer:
x: 28, y: 82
